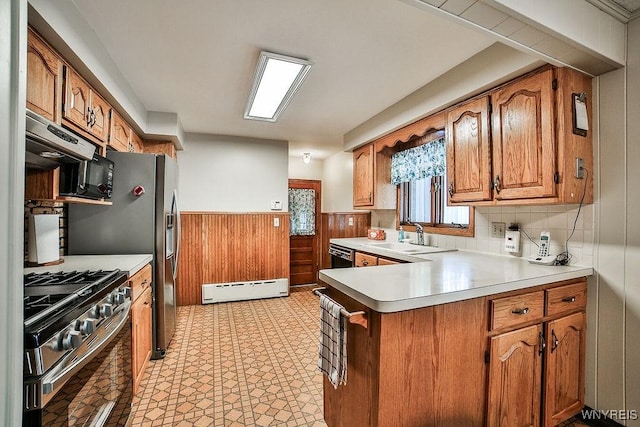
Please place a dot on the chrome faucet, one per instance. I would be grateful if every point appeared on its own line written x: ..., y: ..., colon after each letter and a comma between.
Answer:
x: 420, y: 233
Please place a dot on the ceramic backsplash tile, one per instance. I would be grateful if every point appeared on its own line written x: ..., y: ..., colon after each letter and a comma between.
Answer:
x: 556, y: 219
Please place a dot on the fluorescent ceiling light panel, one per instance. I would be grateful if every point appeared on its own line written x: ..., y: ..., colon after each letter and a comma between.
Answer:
x: 277, y: 79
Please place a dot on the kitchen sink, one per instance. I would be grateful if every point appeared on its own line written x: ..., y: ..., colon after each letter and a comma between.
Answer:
x: 408, y: 248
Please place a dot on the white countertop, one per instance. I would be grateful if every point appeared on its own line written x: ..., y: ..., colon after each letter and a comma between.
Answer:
x: 129, y: 263
x: 401, y: 251
x: 442, y: 278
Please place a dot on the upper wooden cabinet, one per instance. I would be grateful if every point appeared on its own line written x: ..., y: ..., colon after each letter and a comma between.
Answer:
x: 44, y: 82
x: 372, y: 187
x: 517, y: 143
x: 468, y: 151
x: 136, y: 145
x: 120, y: 134
x: 161, y: 147
x: 523, y: 137
x: 363, y: 173
x: 84, y: 110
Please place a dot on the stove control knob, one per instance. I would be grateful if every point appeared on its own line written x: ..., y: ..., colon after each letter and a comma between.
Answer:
x: 88, y: 326
x: 106, y: 310
x: 118, y: 298
x: 94, y: 313
x: 72, y: 339
x: 127, y: 292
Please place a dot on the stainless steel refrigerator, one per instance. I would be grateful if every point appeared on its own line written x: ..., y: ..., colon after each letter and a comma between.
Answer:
x: 144, y: 219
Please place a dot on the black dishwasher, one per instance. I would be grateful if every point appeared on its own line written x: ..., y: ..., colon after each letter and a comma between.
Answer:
x: 341, y: 257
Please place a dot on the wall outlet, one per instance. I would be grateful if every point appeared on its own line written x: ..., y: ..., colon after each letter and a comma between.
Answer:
x: 497, y: 229
x: 276, y: 222
x: 351, y: 221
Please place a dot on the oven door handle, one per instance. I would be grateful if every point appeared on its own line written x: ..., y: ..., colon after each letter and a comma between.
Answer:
x: 52, y: 382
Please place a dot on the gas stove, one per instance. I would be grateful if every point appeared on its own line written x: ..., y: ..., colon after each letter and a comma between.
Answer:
x: 64, y: 309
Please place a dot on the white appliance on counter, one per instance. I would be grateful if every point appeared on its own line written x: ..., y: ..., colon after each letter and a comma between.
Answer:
x: 143, y: 219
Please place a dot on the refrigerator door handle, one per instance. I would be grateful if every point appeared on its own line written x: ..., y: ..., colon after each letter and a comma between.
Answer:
x: 178, y: 229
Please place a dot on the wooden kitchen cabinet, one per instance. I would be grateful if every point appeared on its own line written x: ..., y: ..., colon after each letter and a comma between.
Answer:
x: 85, y: 111
x: 141, y: 339
x: 161, y: 147
x: 136, y: 145
x: 387, y: 261
x: 44, y: 78
x: 365, y: 260
x: 468, y: 151
x: 528, y: 153
x: 120, y: 133
x: 548, y: 355
x: 372, y: 187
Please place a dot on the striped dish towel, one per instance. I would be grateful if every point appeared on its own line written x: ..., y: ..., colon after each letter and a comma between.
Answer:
x: 332, y: 348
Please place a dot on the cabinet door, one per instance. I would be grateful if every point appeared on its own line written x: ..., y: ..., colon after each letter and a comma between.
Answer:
x: 523, y: 137
x: 141, y: 336
x: 386, y: 261
x: 99, y: 118
x: 564, y: 373
x: 468, y: 152
x: 136, y: 146
x: 363, y: 176
x: 76, y: 99
x: 120, y: 134
x: 44, y: 69
x: 514, y: 378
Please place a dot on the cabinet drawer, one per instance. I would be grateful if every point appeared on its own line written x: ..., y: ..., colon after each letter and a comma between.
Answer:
x: 365, y: 260
x: 511, y: 311
x: 386, y: 261
x: 566, y: 298
x: 140, y: 282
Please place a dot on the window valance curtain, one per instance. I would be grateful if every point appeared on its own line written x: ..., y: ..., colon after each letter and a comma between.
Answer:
x: 420, y: 162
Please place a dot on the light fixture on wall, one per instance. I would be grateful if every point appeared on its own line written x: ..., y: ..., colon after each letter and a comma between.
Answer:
x: 276, y: 80
x: 306, y: 157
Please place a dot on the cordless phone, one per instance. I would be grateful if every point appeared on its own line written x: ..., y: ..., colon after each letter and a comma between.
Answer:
x: 543, y: 256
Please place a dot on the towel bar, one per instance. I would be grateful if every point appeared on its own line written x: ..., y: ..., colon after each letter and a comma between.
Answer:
x: 355, y: 317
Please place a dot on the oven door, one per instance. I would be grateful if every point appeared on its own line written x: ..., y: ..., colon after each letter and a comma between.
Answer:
x: 98, y: 393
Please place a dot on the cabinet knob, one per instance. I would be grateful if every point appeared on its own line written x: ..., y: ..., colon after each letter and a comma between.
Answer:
x: 543, y: 344
x: 451, y: 190
x: 520, y: 311
x: 555, y: 342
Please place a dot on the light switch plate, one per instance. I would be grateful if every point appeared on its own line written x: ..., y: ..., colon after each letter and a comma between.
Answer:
x: 276, y: 222
x: 351, y: 221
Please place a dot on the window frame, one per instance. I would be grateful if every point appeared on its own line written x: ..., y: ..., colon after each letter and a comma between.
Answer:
x: 437, y: 210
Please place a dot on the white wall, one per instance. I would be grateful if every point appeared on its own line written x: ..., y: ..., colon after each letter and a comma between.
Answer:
x: 614, y: 310
x: 232, y: 174
x: 337, y: 183
x: 301, y: 170
x: 13, y: 26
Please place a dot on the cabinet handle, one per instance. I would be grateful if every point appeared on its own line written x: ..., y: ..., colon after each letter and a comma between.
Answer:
x: 543, y: 344
x: 370, y: 196
x: 365, y: 262
x: 569, y: 299
x: 555, y: 342
x: 451, y: 190
x: 521, y: 311
x: 496, y: 184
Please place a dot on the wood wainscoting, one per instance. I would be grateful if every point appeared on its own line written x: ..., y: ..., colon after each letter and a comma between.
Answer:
x: 335, y: 225
x: 221, y: 247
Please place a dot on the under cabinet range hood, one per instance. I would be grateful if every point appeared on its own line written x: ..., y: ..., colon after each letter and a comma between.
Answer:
x: 48, y: 145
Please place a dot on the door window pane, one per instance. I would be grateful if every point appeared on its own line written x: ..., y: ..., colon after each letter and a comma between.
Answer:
x: 302, y: 212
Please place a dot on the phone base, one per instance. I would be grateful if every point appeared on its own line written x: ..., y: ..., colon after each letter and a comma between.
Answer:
x: 543, y: 260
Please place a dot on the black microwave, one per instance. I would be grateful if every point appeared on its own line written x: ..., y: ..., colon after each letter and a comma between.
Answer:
x: 91, y: 179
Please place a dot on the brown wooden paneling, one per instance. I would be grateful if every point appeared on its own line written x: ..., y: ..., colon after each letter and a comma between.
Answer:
x: 230, y: 247
x: 160, y: 147
x: 336, y: 225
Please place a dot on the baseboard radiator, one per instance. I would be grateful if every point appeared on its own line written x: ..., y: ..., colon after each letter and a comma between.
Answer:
x: 239, y: 291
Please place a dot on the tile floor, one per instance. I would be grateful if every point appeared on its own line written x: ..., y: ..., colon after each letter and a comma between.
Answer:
x: 239, y: 364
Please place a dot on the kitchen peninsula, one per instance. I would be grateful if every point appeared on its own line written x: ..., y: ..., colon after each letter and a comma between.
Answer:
x: 459, y: 338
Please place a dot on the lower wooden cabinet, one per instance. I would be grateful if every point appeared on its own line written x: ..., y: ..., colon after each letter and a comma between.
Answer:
x: 140, y: 324
x: 368, y: 260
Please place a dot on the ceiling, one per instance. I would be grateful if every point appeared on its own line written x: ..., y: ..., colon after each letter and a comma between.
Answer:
x: 629, y: 5
x: 197, y: 58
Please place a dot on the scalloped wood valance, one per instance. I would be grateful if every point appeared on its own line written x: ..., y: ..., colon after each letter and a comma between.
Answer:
x: 419, y: 128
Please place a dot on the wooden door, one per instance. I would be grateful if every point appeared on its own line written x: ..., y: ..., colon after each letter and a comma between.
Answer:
x: 468, y: 152
x: 76, y: 100
x: 363, y: 176
x: 99, y: 118
x: 523, y: 137
x: 141, y: 336
x: 120, y: 134
x: 304, y: 256
x: 514, y: 378
x: 44, y: 86
x: 564, y: 372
